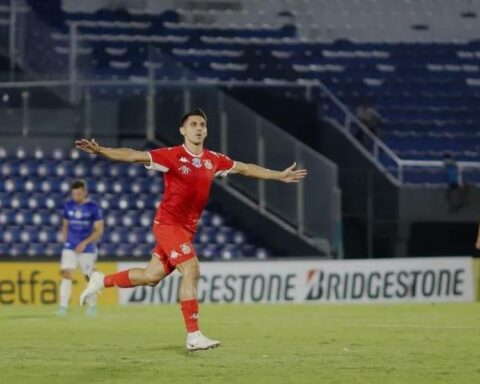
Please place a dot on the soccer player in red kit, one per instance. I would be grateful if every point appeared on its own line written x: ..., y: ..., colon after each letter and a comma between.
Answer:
x: 188, y: 170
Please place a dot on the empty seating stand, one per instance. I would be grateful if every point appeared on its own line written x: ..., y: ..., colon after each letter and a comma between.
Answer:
x: 416, y: 62
x: 35, y: 184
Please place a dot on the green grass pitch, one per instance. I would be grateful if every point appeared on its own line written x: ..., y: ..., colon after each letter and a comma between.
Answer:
x: 260, y: 344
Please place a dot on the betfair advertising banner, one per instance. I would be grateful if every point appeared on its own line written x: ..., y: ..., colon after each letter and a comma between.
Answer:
x: 38, y: 283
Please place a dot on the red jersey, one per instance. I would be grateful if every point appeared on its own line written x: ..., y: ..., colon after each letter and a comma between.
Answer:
x: 188, y: 178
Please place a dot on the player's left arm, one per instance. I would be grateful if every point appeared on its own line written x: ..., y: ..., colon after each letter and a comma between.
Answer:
x: 288, y: 175
x: 97, y: 233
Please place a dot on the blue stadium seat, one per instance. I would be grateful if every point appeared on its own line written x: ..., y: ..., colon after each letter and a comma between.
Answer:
x: 18, y: 250
x: 136, y: 236
x: 53, y: 249
x: 55, y: 219
x: 3, y: 153
x: 11, y: 234
x: 107, y: 249
x: 7, y: 216
x: 48, y: 235
x: 229, y: 252
x: 125, y: 250
x: 130, y: 219
x: 141, y: 250
x: 23, y: 217
x: 113, y: 218
x: 36, y: 249
x: 224, y: 235
x: 13, y: 184
x: 28, y: 235
x: 65, y: 169
x: 19, y: 201
x: 206, y: 235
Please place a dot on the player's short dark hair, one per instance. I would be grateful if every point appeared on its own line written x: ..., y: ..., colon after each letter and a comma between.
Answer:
x: 194, y: 112
x: 78, y: 183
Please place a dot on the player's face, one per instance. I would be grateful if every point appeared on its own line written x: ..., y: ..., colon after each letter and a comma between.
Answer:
x: 79, y: 195
x: 194, y: 130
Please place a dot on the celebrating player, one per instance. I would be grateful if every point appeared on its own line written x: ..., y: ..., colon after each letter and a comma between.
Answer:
x: 189, y: 171
x: 82, y: 226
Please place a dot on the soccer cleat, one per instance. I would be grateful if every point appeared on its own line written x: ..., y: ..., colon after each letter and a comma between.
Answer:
x: 61, y: 311
x: 91, y: 311
x: 95, y: 285
x: 197, y: 342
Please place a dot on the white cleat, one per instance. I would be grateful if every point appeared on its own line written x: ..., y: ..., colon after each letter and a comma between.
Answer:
x: 94, y: 286
x: 197, y: 342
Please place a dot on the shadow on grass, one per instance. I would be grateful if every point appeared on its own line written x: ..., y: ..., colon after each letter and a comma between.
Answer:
x: 29, y: 316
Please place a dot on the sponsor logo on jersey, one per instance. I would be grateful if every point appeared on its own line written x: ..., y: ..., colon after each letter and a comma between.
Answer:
x: 184, y: 170
x: 183, y: 160
x: 185, y: 248
x: 197, y: 163
x: 208, y: 164
x: 174, y: 254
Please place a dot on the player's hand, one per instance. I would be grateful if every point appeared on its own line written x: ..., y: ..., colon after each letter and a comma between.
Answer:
x: 80, y: 247
x: 292, y: 175
x: 89, y: 146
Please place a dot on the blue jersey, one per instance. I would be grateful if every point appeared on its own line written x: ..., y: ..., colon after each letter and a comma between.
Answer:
x: 81, y: 219
x: 452, y: 173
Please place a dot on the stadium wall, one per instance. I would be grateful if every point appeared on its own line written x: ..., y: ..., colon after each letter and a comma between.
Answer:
x: 446, y: 279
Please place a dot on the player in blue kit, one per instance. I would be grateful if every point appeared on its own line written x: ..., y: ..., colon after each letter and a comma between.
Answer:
x: 82, y: 227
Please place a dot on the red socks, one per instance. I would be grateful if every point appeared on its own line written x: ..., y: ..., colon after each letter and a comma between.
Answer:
x: 190, y: 314
x: 189, y: 307
x: 119, y: 279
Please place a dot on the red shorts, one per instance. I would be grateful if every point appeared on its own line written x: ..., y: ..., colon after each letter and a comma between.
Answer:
x: 173, y: 245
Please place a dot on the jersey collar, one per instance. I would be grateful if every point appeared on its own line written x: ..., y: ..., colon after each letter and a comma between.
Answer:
x: 190, y: 153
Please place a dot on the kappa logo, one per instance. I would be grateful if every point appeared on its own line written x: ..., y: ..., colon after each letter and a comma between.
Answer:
x: 184, y: 170
x: 194, y: 316
x: 197, y: 163
x: 208, y: 164
x: 185, y: 248
x: 183, y: 160
x: 174, y: 254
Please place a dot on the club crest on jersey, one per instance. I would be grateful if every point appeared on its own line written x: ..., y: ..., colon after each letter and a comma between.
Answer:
x: 184, y: 170
x: 197, y: 163
x: 208, y: 164
x: 183, y: 160
x: 78, y: 214
x: 185, y: 248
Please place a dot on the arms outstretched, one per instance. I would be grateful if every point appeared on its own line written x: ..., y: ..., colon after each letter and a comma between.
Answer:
x: 288, y: 175
x: 119, y: 154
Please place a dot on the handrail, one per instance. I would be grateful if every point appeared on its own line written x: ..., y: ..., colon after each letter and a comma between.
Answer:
x: 347, y: 112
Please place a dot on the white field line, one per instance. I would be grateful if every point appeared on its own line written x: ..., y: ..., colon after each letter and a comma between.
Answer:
x: 411, y: 326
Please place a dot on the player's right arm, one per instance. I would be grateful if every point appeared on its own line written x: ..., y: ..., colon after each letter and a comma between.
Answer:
x: 64, y: 230
x: 119, y: 154
x: 477, y: 244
